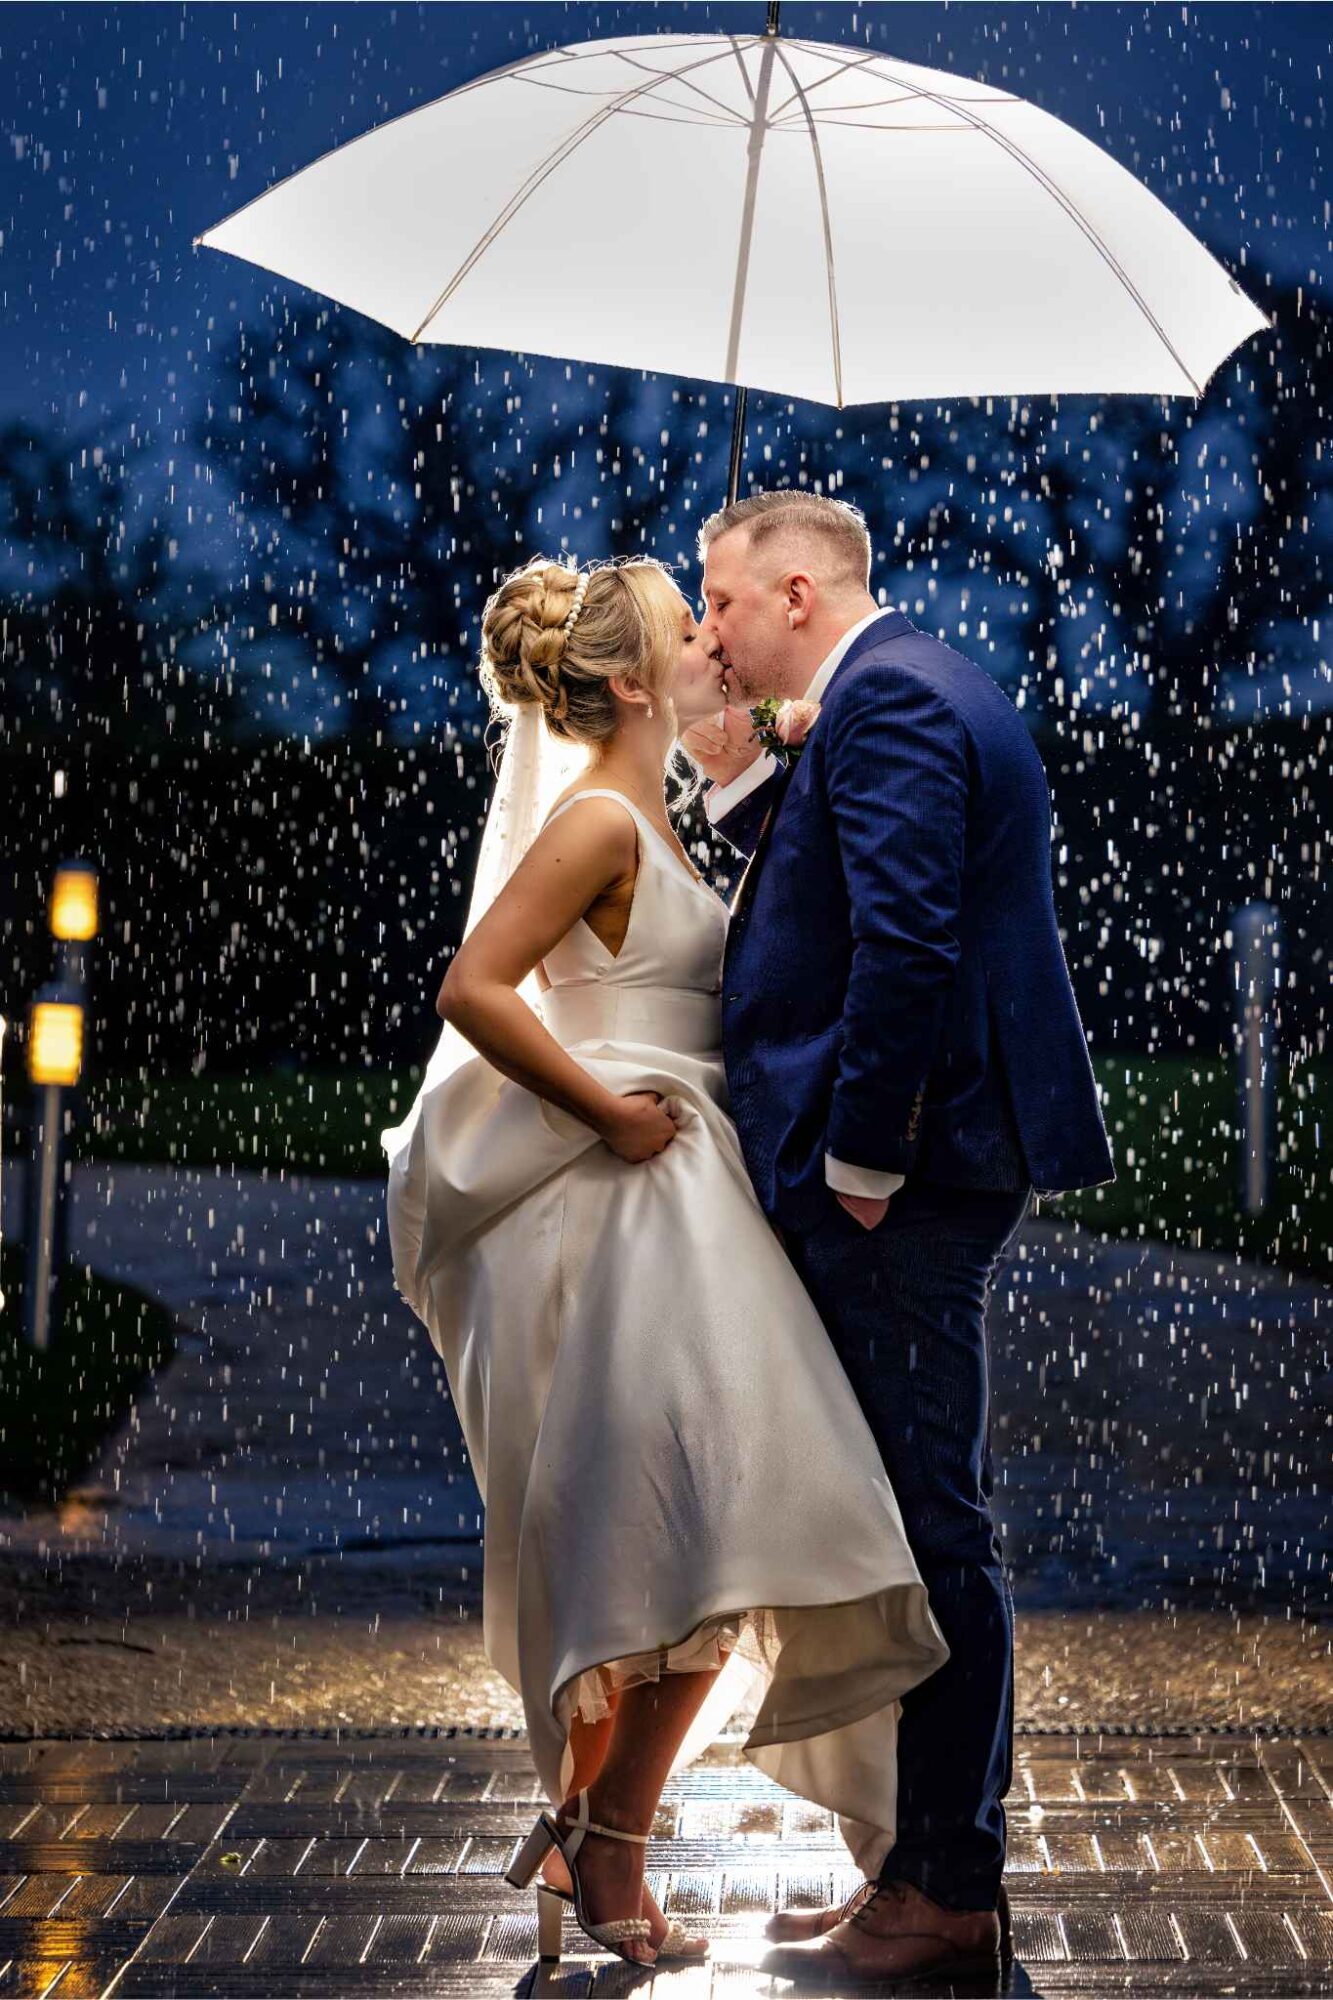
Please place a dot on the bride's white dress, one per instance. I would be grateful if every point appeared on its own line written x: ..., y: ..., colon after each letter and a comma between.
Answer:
x: 671, y: 1458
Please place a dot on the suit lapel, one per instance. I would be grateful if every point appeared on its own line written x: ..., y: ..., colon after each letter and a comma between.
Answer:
x: 745, y: 887
x: 891, y: 625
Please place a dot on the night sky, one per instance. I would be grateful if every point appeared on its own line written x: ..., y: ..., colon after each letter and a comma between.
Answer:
x: 1164, y: 568
x: 133, y: 129
x: 128, y: 130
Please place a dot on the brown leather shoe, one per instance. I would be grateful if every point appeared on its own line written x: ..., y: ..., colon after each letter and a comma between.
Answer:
x: 795, y: 1926
x: 898, y: 1935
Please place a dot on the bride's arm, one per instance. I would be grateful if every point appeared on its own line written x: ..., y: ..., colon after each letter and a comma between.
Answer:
x: 738, y: 810
x: 568, y: 866
x: 726, y: 749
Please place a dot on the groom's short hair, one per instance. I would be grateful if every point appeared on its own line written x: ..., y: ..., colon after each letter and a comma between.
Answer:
x: 809, y: 522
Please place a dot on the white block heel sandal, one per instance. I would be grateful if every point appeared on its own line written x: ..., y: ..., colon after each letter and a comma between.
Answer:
x: 551, y: 1902
x: 551, y: 1905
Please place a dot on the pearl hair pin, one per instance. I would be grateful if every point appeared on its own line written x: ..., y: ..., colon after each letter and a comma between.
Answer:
x: 580, y: 592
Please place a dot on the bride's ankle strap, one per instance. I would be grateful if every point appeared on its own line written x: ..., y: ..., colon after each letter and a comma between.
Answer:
x: 614, y: 1832
x: 594, y: 1826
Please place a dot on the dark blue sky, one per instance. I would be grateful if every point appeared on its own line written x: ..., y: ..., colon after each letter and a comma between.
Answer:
x: 127, y: 130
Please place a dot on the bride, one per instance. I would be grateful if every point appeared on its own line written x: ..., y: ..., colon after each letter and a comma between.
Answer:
x: 684, y: 1504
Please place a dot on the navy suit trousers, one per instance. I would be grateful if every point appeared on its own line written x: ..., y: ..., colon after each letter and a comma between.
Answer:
x: 905, y: 1307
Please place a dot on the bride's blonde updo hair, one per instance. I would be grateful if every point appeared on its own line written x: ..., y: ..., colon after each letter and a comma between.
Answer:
x: 627, y: 625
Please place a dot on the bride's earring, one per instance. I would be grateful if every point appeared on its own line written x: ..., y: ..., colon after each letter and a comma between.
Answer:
x: 649, y: 711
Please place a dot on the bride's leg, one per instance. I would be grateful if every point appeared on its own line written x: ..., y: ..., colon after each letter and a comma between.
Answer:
x: 588, y: 1745
x: 648, y: 1728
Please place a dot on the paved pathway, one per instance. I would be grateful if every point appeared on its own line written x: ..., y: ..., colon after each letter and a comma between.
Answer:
x: 305, y: 1417
x: 251, y: 1866
x: 1157, y: 1425
x: 1161, y: 1416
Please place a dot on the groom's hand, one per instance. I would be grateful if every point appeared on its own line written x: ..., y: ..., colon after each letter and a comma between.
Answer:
x: 868, y: 1210
x: 724, y: 745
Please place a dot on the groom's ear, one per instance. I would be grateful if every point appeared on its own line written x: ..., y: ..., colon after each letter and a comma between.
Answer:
x: 799, y: 591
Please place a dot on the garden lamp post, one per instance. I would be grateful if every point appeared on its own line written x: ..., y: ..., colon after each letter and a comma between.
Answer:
x: 74, y: 915
x: 55, y: 1058
x: 3, y: 1025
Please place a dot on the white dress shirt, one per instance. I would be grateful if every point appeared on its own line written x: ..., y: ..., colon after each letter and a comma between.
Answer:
x: 841, y: 1176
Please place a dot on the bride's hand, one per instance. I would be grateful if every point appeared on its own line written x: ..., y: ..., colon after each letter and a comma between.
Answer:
x: 723, y: 745
x: 638, y: 1127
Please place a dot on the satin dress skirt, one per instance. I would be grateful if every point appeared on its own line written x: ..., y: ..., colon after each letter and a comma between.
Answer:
x: 676, y: 1473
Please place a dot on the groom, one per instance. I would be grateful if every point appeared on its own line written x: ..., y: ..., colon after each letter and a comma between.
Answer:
x: 906, y: 1065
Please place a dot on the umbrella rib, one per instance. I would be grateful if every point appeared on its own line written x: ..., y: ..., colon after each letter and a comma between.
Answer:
x: 740, y: 64
x: 1052, y: 187
x: 695, y: 114
x: 793, y: 124
x: 862, y: 62
x: 834, y: 331
x: 850, y: 116
x: 754, y: 152
x: 906, y: 97
x: 679, y: 114
x: 345, y: 145
x: 821, y: 83
x: 540, y: 173
x: 1104, y: 250
x: 674, y: 76
x: 1066, y: 202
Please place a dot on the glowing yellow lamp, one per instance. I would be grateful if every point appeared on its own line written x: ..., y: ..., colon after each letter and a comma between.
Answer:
x: 55, y: 1041
x: 74, y: 902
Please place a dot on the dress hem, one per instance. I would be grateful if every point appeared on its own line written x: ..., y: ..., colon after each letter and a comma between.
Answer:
x: 773, y: 1733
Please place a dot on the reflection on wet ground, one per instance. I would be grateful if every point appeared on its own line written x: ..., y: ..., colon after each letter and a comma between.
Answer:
x: 278, y: 1557
x: 266, y: 1867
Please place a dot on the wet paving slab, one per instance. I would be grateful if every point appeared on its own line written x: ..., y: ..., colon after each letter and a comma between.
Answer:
x: 286, y: 1532
x: 263, y: 1864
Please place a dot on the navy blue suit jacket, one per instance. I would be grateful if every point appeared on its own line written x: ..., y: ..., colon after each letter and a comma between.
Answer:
x: 894, y: 988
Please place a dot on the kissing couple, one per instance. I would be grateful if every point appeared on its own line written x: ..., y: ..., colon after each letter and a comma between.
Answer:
x: 702, y: 1207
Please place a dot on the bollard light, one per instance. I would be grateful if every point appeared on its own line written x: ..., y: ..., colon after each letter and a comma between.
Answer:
x: 55, y: 1041
x: 1257, y: 937
x: 74, y: 902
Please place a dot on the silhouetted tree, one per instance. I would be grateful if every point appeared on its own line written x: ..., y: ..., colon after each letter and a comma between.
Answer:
x: 96, y: 608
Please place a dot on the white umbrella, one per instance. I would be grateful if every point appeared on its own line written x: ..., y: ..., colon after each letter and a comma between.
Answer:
x: 820, y: 221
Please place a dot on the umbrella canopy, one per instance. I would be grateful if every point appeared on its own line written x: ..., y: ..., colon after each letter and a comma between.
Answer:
x: 820, y: 221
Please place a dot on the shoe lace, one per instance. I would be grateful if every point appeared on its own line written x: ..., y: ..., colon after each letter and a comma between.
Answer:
x: 897, y: 1890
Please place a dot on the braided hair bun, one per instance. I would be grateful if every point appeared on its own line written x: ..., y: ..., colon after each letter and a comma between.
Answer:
x: 523, y: 637
x: 628, y: 624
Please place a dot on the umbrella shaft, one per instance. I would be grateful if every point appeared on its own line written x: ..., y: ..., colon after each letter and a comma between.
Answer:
x: 737, y: 448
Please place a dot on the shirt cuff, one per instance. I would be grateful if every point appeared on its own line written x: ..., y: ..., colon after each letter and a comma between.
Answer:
x: 721, y: 799
x: 846, y: 1179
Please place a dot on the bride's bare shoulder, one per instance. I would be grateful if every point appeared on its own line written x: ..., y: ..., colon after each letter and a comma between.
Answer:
x: 594, y: 805
x: 594, y: 819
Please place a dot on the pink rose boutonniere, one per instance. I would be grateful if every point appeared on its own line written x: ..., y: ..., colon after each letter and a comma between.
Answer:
x: 783, y: 726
